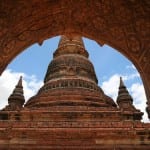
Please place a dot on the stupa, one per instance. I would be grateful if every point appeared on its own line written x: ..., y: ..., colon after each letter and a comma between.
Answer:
x: 70, y: 111
x: 71, y: 80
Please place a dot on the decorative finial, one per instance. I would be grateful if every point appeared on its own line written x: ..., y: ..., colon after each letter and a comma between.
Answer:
x: 121, y: 82
x: 20, y: 82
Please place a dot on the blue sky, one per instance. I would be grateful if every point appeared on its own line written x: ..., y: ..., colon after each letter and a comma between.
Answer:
x: 109, y: 64
x: 106, y: 60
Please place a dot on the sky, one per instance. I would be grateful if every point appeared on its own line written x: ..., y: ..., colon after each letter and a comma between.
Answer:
x: 109, y: 65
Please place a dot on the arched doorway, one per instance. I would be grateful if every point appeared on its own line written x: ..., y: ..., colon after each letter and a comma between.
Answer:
x: 108, y: 63
x: 123, y: 25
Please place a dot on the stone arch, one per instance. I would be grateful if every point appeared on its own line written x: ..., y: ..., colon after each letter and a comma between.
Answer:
x: 124, y: 25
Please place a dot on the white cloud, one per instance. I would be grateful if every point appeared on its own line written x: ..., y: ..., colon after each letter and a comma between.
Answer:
x: 110, y: 86
x: 8, y: 81
x: 136, y: 90
x: 138, y: 94
x: 132, y: 67
x: 133, y: 73
x: 131, y: 76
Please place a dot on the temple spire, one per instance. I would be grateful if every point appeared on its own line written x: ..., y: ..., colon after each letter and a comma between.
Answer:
x: 65, y: 40
x: 73, y: 58
x: 71, y: 45
x: 20, y: 82
x: 71, y: 74
x: 123, y: 94
x: 16, y: 99
x: 125, y: 103
x: 121, y: 83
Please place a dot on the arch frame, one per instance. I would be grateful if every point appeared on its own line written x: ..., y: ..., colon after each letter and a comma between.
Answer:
x: 123, y: 25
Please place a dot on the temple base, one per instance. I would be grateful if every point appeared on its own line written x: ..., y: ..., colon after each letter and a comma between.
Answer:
x: 41, y: 129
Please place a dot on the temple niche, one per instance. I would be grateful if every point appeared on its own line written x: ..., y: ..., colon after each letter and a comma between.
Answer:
x: 70, y: 111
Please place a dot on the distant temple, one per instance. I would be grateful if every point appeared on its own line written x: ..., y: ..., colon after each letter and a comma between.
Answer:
x: 70, y: 111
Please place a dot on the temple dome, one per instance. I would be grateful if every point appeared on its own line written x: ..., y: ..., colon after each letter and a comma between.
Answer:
x: 70, y: 79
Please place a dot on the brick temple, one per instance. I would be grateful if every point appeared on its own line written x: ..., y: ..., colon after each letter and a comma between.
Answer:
x: 70, y: 111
